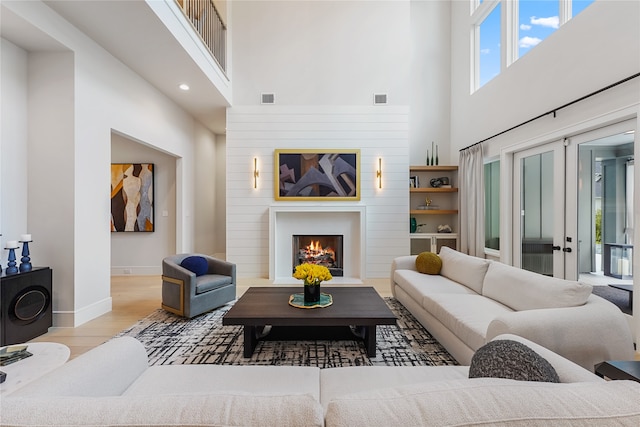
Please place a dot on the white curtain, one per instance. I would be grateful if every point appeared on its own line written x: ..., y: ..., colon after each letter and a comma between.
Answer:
x: 471, y: 177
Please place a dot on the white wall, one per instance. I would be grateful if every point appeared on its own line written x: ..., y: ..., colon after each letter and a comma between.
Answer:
x: 13, y: 145
x: 140, y: 253
x: 430, y: 81
x: 257, y: 131
x: 324, y: 60
x: 96, y: 95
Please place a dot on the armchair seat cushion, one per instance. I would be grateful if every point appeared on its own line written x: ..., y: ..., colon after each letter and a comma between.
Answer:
x: 209, y: 282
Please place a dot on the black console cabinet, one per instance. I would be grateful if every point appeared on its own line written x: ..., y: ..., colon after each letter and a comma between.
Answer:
x: 25, y: 303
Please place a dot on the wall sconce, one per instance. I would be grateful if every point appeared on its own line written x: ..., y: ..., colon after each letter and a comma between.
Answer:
x: 379, y: 172
x: 256, y: 172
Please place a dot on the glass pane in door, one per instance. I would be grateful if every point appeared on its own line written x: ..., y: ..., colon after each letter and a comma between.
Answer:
x: 537, y: 213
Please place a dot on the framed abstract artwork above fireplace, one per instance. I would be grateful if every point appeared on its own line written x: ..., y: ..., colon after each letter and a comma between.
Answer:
x: 317, y: 174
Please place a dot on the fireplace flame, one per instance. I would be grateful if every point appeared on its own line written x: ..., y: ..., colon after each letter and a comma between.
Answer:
x: 314, y: 253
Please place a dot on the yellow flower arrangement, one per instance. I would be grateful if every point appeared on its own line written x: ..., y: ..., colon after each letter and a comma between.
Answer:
x: 312, y: 274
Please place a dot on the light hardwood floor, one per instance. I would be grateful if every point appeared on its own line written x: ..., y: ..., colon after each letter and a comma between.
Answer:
x: 133, y: 298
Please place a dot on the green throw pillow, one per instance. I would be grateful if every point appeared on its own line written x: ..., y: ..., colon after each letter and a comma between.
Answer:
x: 428, y: 263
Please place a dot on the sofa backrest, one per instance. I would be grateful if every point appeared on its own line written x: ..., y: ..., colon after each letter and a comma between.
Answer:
x: 464, y: 269
x: 525, y: 290
x: 490, y: 401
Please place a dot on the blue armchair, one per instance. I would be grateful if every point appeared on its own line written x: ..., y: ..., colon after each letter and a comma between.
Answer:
x: 195, y: 283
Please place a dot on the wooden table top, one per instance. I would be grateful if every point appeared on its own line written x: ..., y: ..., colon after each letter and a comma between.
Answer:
x: 352, y: 305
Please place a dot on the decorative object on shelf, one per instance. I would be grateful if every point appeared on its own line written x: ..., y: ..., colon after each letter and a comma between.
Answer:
x: 313, y: 275
x: 297, y: 300
x: 446, y: 228
x: 11, y: 246
x: 317, y: 174
x: 432, y: 163
x: 414, y: 182
x: 428, y: 205
x: 427, y: 157
x: 132, y: 197
x: 439, y: 182
x: 437, y: 161
x: 25, y: 261
x: 413, y: 225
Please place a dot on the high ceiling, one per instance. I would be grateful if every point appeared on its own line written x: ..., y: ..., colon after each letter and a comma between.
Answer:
x: 131, y: 32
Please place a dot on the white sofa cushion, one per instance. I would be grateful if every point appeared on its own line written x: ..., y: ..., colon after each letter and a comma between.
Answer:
x: 466, y: 316
x: 464, y: 269
x: 167, y: 410
x: 199, y: 379
x: 526, y: 290
x: 489, y: 401
x: 418, y: 285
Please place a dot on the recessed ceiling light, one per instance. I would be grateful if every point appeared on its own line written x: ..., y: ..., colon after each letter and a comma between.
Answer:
x: 184, y: 86
x: 629, y: 132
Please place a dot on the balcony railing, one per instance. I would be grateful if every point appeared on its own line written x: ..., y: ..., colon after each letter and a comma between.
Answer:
x: 207, y: 22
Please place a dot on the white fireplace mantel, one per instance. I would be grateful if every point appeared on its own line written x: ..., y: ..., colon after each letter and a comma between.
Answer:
x: 287, y: 220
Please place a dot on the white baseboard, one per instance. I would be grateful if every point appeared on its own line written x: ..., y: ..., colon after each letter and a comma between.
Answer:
x: 72, y: 319
x: 154, y: 270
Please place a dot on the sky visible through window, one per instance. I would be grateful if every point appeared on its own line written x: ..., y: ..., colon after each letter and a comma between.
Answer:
x: 537, y: 20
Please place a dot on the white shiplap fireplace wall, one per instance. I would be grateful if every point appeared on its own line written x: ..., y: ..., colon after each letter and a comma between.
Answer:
x: 257, y: 131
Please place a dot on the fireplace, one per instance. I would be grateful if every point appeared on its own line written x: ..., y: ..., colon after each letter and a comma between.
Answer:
x: 322, y: 249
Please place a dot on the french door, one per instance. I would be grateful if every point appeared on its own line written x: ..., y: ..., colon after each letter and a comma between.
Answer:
x: 572, y: 198
x: 540, y: 241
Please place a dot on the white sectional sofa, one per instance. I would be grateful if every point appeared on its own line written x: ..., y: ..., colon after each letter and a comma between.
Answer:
x: 473, y: 300
x: 113, y: 385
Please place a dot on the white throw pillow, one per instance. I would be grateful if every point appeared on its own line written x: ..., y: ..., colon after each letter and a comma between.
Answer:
x: 462, y: 268
x: 526, y: 290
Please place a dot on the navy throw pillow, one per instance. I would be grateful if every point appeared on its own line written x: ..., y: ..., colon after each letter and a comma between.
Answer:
x: 195, y: 264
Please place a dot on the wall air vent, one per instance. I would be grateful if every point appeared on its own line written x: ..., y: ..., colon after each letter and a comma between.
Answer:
x: 268, y: 98
x: 379, y: 98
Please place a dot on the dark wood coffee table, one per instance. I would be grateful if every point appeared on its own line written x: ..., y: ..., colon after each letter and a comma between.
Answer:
x: 357, y: 306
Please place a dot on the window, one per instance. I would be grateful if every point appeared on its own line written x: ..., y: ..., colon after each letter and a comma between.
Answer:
x: 490, y: 46
x: 579, y: 5
x: 492, y: 205
x: 500, y: 35
x: 536, y: 21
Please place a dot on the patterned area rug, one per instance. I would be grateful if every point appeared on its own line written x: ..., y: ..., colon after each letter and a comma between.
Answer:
x: 170, y: 339
x: 616, y: 296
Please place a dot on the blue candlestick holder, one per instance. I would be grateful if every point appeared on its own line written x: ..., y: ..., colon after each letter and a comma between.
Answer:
x: 25, y: 261
x: 11, y: 266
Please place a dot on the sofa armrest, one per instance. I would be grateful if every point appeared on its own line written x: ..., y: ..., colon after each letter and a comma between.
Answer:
x: 407, y: 262
x: 107, y: 370
x: 587, y: 335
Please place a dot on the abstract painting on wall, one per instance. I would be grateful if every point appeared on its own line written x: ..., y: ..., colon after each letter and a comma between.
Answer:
x: 322, y: 174
x: 132, y: 197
